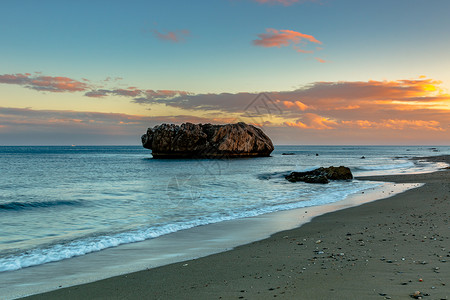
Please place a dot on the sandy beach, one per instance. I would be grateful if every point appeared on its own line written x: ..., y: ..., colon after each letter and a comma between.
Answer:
x: 386, y: 249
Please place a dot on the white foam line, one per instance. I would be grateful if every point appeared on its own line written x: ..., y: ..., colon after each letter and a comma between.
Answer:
x: 178, y: 246
x: 85, y: 246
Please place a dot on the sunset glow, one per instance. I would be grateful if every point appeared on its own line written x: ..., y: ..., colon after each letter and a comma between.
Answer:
x: 327, y: 80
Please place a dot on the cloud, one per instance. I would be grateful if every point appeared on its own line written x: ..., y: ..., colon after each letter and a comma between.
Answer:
x: 395, y: 124
x: 130, y: 92
x: 138, y: 95
x: 296, y: 104
x: 413, y: 106
x: 60, y: 84
x: 44, y: 83
x: 278, y: 38
x: 324, y: 96
x: 172, y: 36
x: 320, y: 60
x: 284, y: 2
x: 313, y: 121
x: 24, y: 126
x: 300, y: 50
x: 284, y: 37
x: 410, y: 104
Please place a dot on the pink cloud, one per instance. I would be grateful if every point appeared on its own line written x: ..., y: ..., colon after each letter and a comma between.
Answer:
x: 173, y: 36
x: 300, y: 50
x: 44, y: 83
x: 278, y: 38
x: 322, y: 61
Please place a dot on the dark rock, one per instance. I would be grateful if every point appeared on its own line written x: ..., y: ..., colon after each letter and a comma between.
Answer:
x: 207, y: 141
x: 321, y: 175
x: 315, y: 179
x: 338, y: 173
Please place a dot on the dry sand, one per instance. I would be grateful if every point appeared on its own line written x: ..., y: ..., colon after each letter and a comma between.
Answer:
x: 387, y: 249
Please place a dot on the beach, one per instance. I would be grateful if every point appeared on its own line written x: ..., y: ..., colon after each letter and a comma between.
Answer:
x: 386, y: 249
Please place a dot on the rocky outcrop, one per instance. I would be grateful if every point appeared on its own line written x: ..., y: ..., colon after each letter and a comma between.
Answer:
x: 321, y: 175
x: 207, y: 141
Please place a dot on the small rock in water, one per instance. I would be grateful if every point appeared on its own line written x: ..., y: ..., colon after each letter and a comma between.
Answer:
x: 321, y: 175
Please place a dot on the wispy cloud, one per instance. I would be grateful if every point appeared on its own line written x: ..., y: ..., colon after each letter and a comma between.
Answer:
x: 138, y: 95
x: 172, y: 36
x: 61, y: 84
x: 322, y: 61
x: 44, y: 83
x: 284, y: 37
x: 300, y: 50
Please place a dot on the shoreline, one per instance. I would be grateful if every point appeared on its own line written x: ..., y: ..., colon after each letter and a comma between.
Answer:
x: 296, y: 262
x: 192, y: 243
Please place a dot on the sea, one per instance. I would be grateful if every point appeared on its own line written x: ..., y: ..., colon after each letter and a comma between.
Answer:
x: 61, y: 203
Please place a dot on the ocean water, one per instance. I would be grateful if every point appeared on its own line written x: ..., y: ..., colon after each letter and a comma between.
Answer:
x: 57, y: 203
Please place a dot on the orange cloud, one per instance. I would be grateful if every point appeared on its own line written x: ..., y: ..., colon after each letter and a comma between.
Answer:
x: 278, y: 38
x: 297, y: 104
x: 395, y: 124
x: 173, y: 36
x: 322, y: 61
x: 44, y: 83
x: 408, y: 105
x: 300, y: 50
x: 313, y: 121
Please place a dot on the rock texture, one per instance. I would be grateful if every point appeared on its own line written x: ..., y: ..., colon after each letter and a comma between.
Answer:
x: 207, y: 141
x: 321, y: 175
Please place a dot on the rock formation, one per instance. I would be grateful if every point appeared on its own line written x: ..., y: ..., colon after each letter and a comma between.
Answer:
x: 206, y: 141
x: 321, y: 175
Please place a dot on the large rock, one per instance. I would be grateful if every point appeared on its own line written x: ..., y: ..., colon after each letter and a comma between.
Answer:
x: 206, y: 141
x: 321, y: 175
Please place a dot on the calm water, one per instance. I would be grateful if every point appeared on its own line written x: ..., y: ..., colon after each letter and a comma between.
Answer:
x: 61, y: 202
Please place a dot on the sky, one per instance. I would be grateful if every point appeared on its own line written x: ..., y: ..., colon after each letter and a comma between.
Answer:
x: 308, y: 72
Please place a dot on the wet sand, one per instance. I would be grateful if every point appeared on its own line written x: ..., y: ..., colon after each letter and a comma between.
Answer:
x: 386, y: 249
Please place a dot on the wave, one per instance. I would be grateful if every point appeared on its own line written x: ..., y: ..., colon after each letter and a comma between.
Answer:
x: 267, y: 176
x: 305, y: 169
x: 83, y: 246
x: 36, y: 204
x: 406, y: 165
